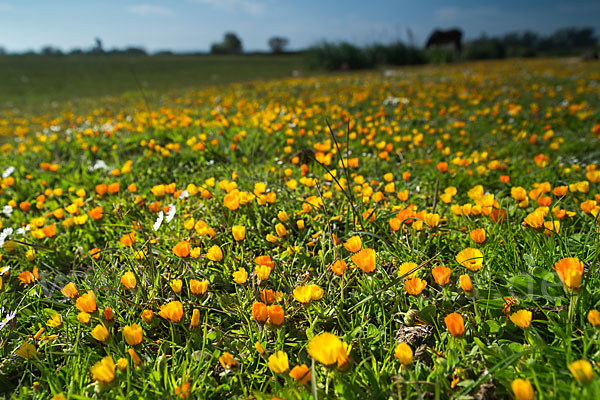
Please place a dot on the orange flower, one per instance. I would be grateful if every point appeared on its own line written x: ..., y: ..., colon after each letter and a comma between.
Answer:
x: 128, y: 240
x: 86, y: 302
x: 455, y: 324
x: 49, y: 230
x: 570, y: 271
x: 27, y: 277
x: 182, y: 249
x: 94, y: 253
x: 353, y: 244
x: 442, y: 166
x: 114, y: 188
x: 338, y: 267
x: 70, y: 290
x: 172, y: 311
x: 465, y: 283
x: 276, y: 315
x: 147, y: 316
x: 478, y: 235
x: 441, y: 275
x: 259, y: 311
x: 265, y: 260
x: 101, y: 189
x: 301, y: 374
x: 198, y: 287
x: 365, y: 260
x: 414, y: 286
x: 96, y: 213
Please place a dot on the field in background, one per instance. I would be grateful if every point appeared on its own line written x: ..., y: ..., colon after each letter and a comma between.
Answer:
x: 30, y: 82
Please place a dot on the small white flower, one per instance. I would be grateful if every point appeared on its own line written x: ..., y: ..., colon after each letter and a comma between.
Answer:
x: 7, y: 318
x: 184, y: 195
x: 22, y: 231
x: 171, y: 213
x: 7, y: 210
x: 100, y: 164
x: 159, y: 221
x: 8, y: 172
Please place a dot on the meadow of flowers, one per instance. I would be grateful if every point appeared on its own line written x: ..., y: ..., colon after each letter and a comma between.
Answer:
x: 424, y: 233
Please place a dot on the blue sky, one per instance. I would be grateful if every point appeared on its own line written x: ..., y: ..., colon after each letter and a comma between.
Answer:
x: 183, y: 25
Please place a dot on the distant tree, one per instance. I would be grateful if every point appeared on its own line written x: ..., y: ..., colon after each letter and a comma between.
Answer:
x: 76, y: 52
x: 2, y: 51
x: 231, y: 45
x: 278, y: 44
x: 51, y: 51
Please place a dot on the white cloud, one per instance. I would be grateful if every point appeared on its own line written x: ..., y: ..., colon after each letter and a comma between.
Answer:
x: 149, y: 10
x: 250, y: 7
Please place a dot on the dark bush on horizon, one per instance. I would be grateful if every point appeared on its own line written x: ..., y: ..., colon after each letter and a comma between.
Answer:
x: 346, y: 56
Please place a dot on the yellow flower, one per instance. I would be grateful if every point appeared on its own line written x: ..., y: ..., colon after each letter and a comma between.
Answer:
x: 227, y: 360
x: 55, y: 321
x: 240, y: 276
x: 133, y: 334
x: 406, y: 268
x: 215, y: 253
x: 26, y: 350
x: 570, y: 271
x: 262, y: 272
x: 172, y: 311
x: 278, y: 362
x: 471, y: 259
x: 522, y: 389
x: 104, y: 371
x: 280, y: 229
x: 304, y: 294
x: 195, y: 318
x: 83, y: 317
x: 100, y: 333
x: 521, y: 318
x: 259, y: 348
x: 122, y: 364
x: 403, y: 353
x: 128, y: 280
x: 239, y: 232
x: 327, y: 349
x: 582, y: 370
x: 176, y: 285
